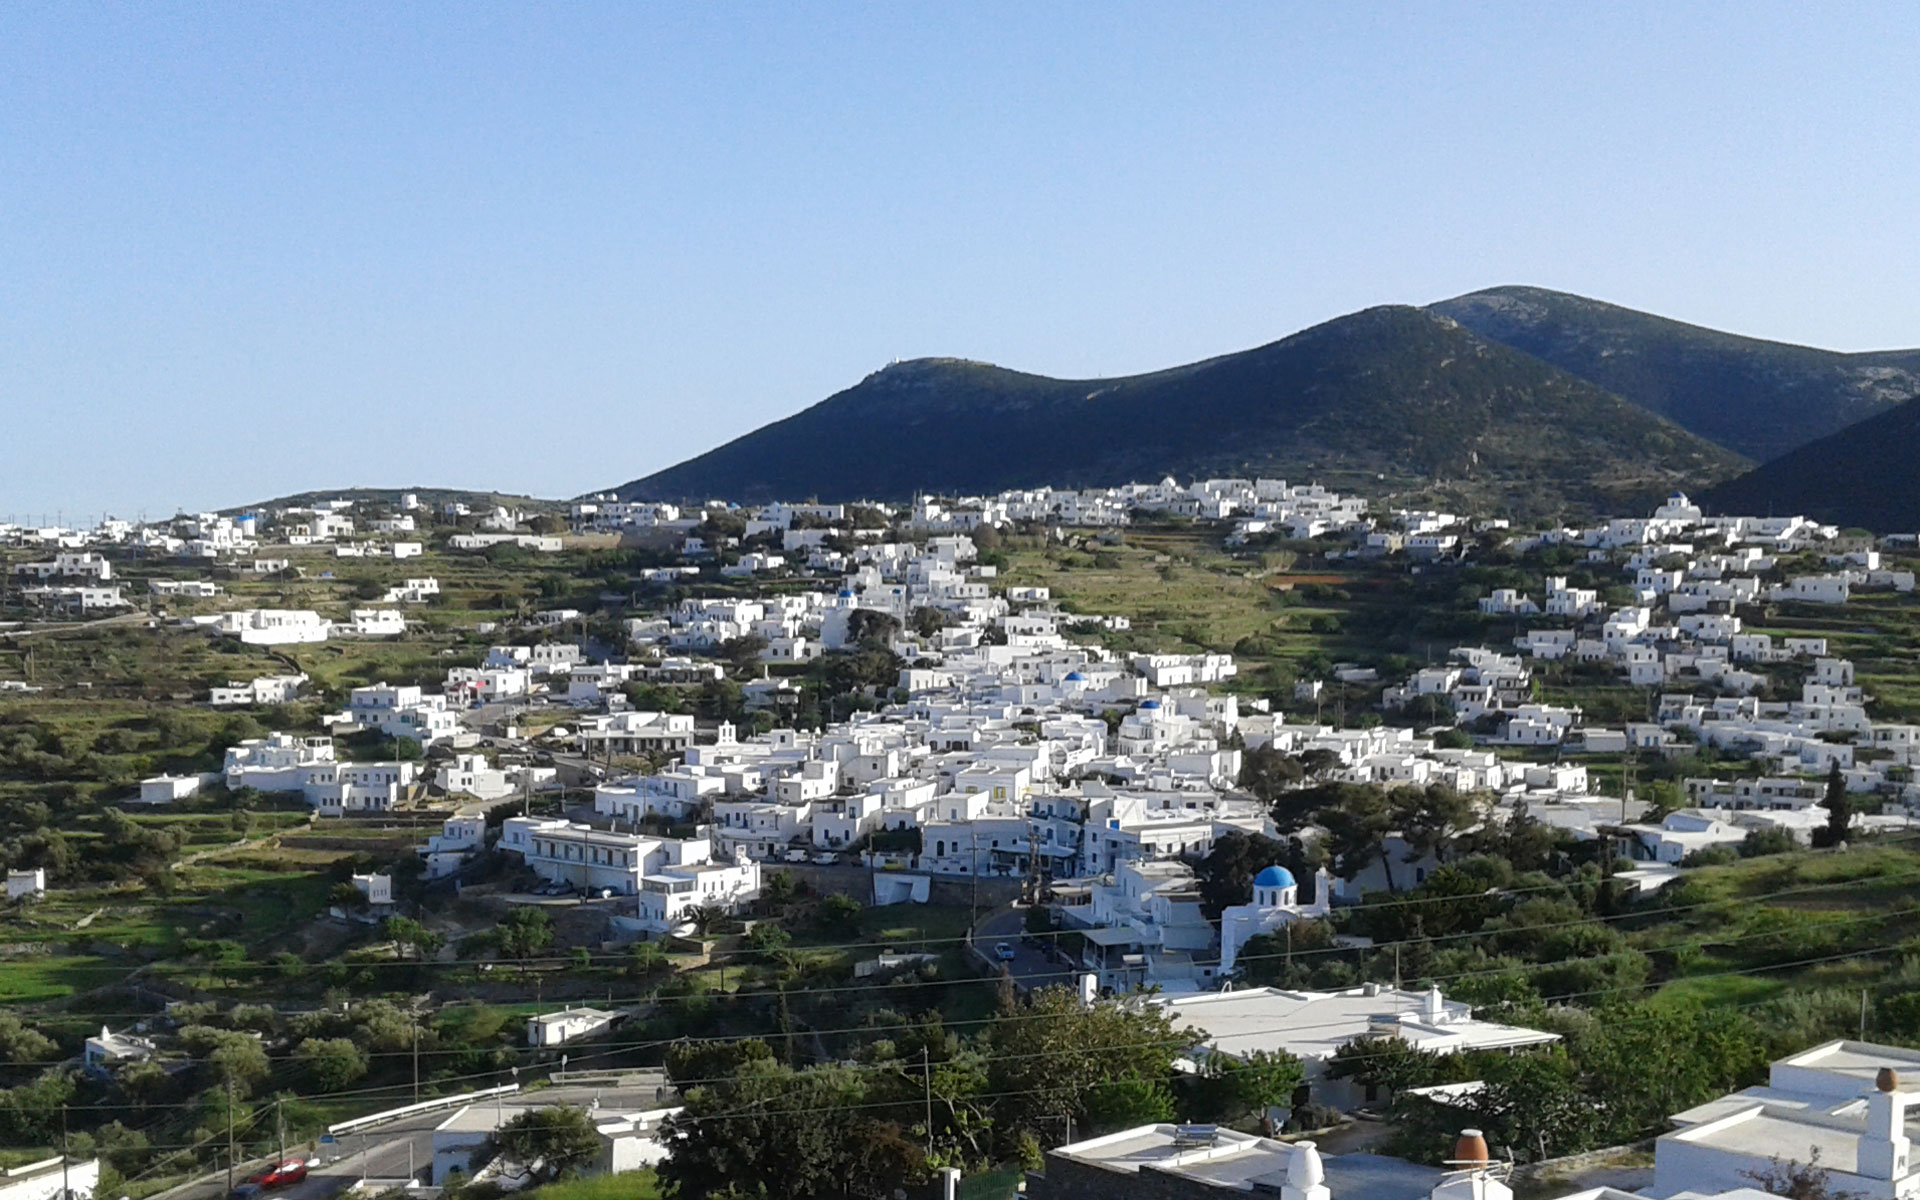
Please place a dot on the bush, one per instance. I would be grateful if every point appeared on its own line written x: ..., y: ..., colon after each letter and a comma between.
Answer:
x: 1713, y: 856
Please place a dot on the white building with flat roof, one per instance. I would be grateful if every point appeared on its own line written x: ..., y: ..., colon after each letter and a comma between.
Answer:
x: 568, y: 1025
x: 51, y: 1179
x: 1313, y: 1026
x: 1845, y: 1102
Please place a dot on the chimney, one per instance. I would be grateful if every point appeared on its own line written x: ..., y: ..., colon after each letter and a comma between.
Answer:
x: 1884, y: 1147
x: 1470, y: 1172
x: 1436, y: 1006
x: 1306, y: 1179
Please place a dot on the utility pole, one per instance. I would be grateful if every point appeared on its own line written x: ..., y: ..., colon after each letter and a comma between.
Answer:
x: 414, y: 1013
x: 229, y: 1091
x: 280, y: 1129
x: 66, y: 1188
x: 926, y: 1072
x: 973, y: 873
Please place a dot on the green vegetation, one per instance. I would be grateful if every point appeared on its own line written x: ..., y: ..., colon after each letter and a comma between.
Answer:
x: 632, y: 1185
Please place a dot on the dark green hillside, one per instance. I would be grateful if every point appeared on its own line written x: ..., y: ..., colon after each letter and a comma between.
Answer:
x: 1388, y: 400
x: 1866, y: 475
x: 1757, y: 398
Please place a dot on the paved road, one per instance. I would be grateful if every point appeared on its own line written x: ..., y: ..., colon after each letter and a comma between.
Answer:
x: 1031, y: 968
x: 391, y: 1151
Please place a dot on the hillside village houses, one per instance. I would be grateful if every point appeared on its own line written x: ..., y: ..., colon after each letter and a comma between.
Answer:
x: 306, y: 765
x: 1009, y: 749
x: 1835, y: 1115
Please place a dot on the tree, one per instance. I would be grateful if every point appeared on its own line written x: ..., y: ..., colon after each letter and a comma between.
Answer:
x: 30, y: 1113
x: 645, y: 959
x: 410, y: 936
x: 1839, y: 808
x: 330, y: 1063
x: 1702, y: 1053
x: 1265, y: 772
x: 1126, y: 1103
x: 561, y: 1137
x: 1045, y: 1060
x: 1264, y: 1079
x: 524, y: 932
x: 768, y: 1130
x: 1533, y: 1105
x: 871, y: 628
x: 238, y: 1062
x: 21, y: 1044
x: 743, y: 653
x: 690, y: 1062
x: 839, y: 914
x: 1387, y: 1063
x: 1226, y: 874
x: 766, y: 940
x: 1357, y: 827
x: 1429, y: 819
x: 706, y: 918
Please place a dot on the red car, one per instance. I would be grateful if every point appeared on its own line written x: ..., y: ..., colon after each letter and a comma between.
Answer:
x: 282, y: 1174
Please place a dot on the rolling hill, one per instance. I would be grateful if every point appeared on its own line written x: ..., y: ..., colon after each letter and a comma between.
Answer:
x: 1394, y: 401
x: 1864, y: 475
x: 1755, y: 397
x: 432, y: 497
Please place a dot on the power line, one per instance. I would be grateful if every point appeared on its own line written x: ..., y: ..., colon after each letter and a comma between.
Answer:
x: 1560, y: 1000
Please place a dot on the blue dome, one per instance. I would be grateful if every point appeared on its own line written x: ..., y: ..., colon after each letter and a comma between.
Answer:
x: 1149, y: 704
x: 1075, y: 677
x: 1275, y: 876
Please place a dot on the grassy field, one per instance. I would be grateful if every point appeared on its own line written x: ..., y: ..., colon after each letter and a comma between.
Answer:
x: 633, y: 1185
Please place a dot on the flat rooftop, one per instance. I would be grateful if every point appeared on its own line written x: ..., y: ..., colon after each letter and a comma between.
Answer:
x: 1242, y: 1162
x: 1315, y: 1024
x: 1857, y: 1060
x: 1764, y: 1133
x: 1229, y: 1158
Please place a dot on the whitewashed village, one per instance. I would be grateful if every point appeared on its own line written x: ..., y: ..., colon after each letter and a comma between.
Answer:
x: 1074, y: 798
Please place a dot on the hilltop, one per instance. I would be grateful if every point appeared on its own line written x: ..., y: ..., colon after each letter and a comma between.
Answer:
x: 431, y: 496
x: 1394, y: 401
x: 1757, y: 398
x: 1862, y: 476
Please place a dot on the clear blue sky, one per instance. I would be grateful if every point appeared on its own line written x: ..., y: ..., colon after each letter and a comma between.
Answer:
x: 247, y: 249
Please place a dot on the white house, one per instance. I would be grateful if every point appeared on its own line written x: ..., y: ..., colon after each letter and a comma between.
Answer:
x: 269, y: 626
x: 265, y: 689
x: 377, y: 888
x: 24, y: 885
x: 1846, y: 1102
x: 568, y: 1025
x: 460, y: 835
x: 165, y: 789
x: 1313, y: 1025
x: 51, y: 1179
x: 111, y: 1049
x: 1276, y: 903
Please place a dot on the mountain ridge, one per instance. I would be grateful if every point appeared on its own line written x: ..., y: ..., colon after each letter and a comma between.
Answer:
x: 1393, y: 395
x: 1756, y: 397
x: 1861, y: 476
